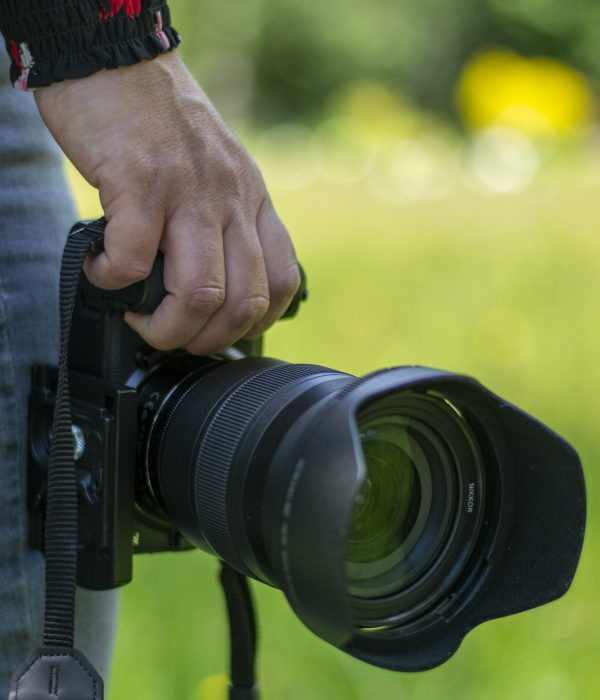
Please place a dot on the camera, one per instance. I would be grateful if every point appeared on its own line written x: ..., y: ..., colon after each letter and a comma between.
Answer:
x: 396, y: 511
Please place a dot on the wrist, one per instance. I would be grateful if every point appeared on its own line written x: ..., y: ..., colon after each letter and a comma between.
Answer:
x: 145, y: 83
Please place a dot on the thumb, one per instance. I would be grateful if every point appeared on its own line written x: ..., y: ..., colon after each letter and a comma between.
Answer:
x: 131, y: 241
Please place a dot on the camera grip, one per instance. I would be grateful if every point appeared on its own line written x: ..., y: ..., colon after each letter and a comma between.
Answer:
x: 142, y: 297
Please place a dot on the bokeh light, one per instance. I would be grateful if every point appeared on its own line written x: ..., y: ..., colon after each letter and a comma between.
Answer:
x: 537, y: 96
x: 502, y: 159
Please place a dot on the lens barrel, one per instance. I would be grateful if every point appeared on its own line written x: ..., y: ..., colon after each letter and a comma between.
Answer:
x: 212, y: 446
x: 224, y: 477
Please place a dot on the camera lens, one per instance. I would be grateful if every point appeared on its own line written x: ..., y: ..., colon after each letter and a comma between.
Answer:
x: 381, y: 505
x: 409, y: 531
x: 393, y: 468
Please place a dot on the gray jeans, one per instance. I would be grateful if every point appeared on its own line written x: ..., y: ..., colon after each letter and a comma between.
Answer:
x: 36, y: 213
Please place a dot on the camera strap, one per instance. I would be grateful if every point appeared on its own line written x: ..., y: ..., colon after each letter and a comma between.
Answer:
x: 57, y: 669
x: 242, y: 634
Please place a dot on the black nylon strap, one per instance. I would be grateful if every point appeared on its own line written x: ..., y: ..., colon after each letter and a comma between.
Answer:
x: 243, y: 634
x: 61, y: 518
x: 57, y: 669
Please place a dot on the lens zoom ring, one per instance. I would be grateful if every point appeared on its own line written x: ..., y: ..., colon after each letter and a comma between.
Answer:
x: 215, y: 456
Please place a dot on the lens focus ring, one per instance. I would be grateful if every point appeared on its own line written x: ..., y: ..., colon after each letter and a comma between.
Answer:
x: 215, y: 457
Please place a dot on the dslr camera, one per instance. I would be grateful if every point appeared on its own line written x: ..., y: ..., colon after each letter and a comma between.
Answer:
x: 396, y: 511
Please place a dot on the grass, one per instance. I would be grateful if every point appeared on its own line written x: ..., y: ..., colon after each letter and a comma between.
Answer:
x: 503, y: 288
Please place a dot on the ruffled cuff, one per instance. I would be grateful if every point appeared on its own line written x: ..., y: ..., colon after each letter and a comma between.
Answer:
x: 49, y: 41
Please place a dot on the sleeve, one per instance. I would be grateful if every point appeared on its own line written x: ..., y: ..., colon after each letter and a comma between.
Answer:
x: 51, y: 40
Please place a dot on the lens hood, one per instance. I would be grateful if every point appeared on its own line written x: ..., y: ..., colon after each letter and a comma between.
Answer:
x: 523, y: 519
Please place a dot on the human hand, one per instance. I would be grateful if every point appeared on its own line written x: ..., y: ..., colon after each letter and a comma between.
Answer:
x: 172, y: 176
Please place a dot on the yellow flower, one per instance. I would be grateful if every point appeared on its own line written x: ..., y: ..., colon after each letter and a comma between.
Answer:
x: 536, y: 96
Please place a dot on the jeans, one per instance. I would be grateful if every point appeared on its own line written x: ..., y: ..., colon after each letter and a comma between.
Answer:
x: 36, y: 213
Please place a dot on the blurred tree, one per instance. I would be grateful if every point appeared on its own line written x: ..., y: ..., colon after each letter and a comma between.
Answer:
x: 307, y: 51
x: 279, y: 60
x: 570, y: 31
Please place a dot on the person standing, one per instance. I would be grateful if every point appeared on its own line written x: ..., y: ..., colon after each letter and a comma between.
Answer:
x: 117, y: 99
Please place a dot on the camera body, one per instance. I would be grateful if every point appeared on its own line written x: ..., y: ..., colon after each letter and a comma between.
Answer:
x: 117, y: 385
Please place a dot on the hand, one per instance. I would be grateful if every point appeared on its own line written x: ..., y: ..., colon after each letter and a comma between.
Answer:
x: 172, y: 176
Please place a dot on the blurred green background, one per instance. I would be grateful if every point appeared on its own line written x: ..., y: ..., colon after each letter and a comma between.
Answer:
x: 439, y: 169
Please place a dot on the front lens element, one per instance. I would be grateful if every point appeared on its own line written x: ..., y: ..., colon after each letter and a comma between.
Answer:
x: 416, y: 448
x: 388, y: 502
x: 387, y: 507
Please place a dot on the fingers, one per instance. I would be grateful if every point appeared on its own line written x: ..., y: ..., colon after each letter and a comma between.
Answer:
x: 247, y: 295
x: 281, y: 265
x: 194, y: 277
x: 131, y: 241
x: 221, y: 286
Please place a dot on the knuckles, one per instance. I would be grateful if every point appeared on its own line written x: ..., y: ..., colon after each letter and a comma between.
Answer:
x: 204, y: 300
x: 126, y: 272
x: 247, y: 311
x: 283, y: 284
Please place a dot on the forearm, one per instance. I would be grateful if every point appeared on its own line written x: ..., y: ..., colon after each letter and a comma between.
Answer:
x: 170, y: 174
x: 50, y: 40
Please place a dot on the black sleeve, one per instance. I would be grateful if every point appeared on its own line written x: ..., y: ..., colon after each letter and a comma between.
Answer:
x: 50, y: 40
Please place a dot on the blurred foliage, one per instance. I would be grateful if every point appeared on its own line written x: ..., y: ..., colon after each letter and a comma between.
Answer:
x: 283, y: 59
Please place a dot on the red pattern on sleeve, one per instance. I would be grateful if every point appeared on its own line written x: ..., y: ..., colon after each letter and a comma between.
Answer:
x: 13, y: 49
x: 132, y: 8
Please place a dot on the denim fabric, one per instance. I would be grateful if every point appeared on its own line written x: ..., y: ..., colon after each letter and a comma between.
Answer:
x: 35, y: 215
